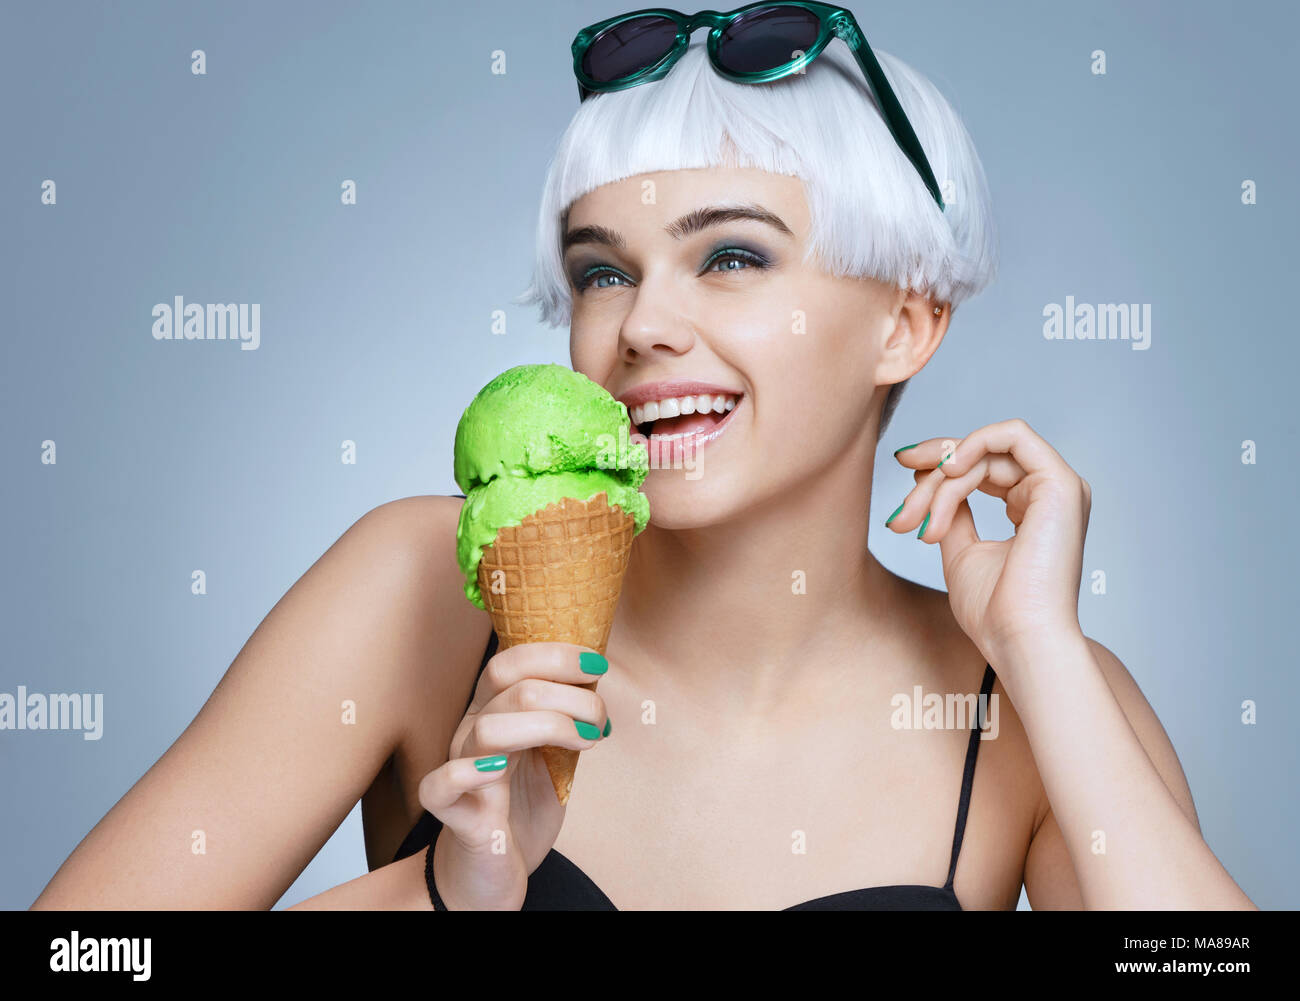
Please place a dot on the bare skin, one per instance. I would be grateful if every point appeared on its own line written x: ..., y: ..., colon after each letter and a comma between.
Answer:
x: 771, y: 709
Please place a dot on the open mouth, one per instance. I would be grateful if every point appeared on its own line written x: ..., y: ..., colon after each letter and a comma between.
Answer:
x: 684, y: 418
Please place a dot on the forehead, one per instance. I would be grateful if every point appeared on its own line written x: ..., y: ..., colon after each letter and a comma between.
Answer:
x: 651, y: 199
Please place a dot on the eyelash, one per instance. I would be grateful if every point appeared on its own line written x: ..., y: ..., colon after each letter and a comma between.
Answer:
x: 750, y: 258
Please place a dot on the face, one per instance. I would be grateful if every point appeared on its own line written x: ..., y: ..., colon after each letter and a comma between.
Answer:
x: 665, y: 293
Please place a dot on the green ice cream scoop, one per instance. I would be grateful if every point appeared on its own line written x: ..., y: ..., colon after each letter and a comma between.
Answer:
x: 532, y: 436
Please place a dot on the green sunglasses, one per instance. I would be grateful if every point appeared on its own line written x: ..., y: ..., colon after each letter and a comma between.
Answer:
x: 752, y: 44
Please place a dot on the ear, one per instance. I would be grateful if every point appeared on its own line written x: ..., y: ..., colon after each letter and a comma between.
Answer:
x: 916, y: 334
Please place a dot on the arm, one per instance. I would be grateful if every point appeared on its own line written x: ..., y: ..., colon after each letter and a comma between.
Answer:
x: 398, y: 886
x: 1121, y: 820
x: 268, y: 769
x: 1107, y: 766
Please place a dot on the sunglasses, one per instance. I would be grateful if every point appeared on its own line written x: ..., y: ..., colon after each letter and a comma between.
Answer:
x: 756, y: 43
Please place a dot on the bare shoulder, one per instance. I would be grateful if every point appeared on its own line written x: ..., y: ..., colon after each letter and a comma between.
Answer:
x: 420, y: 534
x: 441, y: 637
x: 413, y: 543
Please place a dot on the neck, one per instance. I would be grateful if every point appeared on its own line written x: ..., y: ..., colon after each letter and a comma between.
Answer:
x: 750, y: 607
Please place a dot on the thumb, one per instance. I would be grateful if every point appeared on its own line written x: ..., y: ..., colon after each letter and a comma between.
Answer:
x: 960, y: 536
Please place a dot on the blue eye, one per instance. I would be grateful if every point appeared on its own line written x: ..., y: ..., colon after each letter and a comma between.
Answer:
x: 730, y: 255
x: 733, y: 254
x: 598, y: 272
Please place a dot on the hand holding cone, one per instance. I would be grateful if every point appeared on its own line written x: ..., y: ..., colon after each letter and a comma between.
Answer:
x: 556, y: 577
x: 553, y: 499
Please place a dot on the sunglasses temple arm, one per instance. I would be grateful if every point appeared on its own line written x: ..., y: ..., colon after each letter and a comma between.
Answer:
x: 895, y: 117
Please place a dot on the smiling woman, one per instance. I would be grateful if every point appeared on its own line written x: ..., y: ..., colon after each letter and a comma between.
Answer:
x: 754, y: 269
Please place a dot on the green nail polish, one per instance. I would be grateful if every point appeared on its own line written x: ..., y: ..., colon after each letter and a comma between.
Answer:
x: 895, y: 514
x: 923, y: 524
x: 608, y: 727
x: 586, y: 731
x: 905, y: 448
x: 492, y: 763
x: 592, y: 663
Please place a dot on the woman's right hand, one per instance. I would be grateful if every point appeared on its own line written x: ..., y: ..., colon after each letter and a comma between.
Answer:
x: 498, y: 825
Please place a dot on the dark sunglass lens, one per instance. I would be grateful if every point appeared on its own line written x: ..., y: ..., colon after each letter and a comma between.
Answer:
x: 629, y: 47
x: 767, y: 39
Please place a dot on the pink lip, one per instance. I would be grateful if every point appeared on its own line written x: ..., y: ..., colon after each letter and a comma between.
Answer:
x: 648, y: 391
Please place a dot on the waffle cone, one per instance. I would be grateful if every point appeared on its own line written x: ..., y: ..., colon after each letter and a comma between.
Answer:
x: 560, y: 574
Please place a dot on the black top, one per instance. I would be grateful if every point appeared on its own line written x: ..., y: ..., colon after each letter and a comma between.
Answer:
x: 559, y: 885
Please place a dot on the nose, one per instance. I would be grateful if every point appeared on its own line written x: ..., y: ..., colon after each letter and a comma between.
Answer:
x: 653, y: 326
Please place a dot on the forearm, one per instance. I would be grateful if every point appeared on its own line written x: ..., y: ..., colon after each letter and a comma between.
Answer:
x: 398, y: 886
x: 1130, y: 842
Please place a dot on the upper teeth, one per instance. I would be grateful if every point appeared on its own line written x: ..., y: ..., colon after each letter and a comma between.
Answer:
x: 678, y: 405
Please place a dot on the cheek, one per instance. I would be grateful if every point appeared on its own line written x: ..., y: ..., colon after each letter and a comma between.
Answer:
x: 814, y: 393
x: 590, y: 351
x: 809, y: 354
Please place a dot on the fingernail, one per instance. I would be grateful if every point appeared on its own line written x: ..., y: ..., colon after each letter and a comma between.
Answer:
x: 895, y: 514
x: 492, y: 763
x: 592, y: 663
x: 586, y: 731
x: 608, y: 727
x: 923, y: 524
x: 905, y: 448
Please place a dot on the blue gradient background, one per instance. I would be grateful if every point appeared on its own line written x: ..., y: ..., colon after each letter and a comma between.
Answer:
x: 375, y: 328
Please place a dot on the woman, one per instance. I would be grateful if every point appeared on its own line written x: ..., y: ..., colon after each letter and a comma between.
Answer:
x: 783, y: 250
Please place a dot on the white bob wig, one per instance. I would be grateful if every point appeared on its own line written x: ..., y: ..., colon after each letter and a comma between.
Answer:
x: 871, y: 215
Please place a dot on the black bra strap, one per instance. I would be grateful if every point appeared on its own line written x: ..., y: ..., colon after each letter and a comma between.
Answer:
x: 968, y: 776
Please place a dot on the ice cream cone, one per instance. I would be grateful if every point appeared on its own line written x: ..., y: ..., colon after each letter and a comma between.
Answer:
x: 556, y: 577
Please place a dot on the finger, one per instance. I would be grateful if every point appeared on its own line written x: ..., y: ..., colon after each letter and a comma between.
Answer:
x: 566, y: 662
x: 1001, y: 473
x: 502, y: 733
x: 1018, y: 499
x: 912, y: 511
x: 532, y: 694
x: 1014, y: 438
x: 442, y: 792
x: 959, y: 536
x: 945, y: 499
x: 954, y: 458
x: 926, y: 454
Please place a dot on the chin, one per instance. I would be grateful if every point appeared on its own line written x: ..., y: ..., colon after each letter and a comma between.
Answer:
x: 679, y: 503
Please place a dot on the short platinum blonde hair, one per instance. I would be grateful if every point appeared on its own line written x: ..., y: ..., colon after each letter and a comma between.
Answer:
x: 871, y: 215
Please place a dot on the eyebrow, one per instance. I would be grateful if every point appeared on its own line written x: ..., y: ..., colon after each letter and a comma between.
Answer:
x: 692, y: 222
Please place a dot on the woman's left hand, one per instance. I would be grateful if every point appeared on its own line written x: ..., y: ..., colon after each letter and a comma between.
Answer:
x: 1009, y: 592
